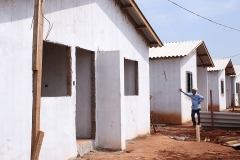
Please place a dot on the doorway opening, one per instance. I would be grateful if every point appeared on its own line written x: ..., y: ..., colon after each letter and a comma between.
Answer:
x: 85, y: 94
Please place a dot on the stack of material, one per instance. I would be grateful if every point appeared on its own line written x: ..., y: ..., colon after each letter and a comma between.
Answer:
x: 220, y: 120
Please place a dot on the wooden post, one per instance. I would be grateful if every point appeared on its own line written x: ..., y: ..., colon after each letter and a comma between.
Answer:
x: 38, y: 145
x: 151, y: 118
x: 197, y: 133
x: 233, y: 103
x: 212, y: 122
x: 37, y: 68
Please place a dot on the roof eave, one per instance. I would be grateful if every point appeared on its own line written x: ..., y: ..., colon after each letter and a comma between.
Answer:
x: 210, y: 58
x: 202, y: 43
x: 154, y: 43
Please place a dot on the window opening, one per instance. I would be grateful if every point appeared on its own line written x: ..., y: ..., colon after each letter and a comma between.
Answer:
x: 130, y: 77
x: 56, y: 70
x: 222, y: 87
x: 189, y: 81
x: 237, y: 87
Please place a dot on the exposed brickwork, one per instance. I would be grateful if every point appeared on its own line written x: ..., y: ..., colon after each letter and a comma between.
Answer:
x: 69, y: 71
x: 93, y: 96
x: 136, y: 78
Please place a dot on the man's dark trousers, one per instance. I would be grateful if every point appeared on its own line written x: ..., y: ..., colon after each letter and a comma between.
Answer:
x: 193, y: 116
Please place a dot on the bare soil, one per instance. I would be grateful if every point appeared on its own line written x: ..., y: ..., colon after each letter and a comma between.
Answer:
x: 161, y: 146
x: 233, y: 110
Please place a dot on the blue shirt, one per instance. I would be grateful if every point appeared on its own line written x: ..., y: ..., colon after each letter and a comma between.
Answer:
x: 196, y: 99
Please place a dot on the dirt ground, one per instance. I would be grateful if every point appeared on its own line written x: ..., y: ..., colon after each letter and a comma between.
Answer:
x: 233, y: 110
x: 168, y: 144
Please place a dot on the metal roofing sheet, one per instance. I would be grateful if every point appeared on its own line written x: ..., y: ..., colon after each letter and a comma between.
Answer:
x: 223, y: 64
x: 220, y: 64
x: 174, y: 49
x: 180, y: 49
x: 237, y: 69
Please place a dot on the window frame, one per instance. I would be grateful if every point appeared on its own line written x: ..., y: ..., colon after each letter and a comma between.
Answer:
x: 189, y: 81
x: 222, y: 86
x: 237, y: 87
x: 136, y: 78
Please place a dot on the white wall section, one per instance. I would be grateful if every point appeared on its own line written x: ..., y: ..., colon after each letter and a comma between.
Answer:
x: 164, y: 87
x: 202, y: 84
x: 228, y: 91
x: 188, y: 64
x: 97, y: 25
x: 109, y: 120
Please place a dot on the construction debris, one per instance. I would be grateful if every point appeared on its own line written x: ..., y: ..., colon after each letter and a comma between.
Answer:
x: 180, y: 137
x: 206, y: 139
x: 235, y: 143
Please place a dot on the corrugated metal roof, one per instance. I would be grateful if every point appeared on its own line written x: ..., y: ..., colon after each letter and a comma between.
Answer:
x: 141, y: 23
x: 223, y: 64
x: 220, y: 64
x: 237, y: 69
x: 174, y: 49
x: 180, y: 49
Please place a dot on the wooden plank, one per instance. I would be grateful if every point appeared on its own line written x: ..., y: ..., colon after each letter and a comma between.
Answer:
x: 141, y: 27
x: 206, y: 65
x: 151, y: 118
x: 153, y: 44
x: 211, y: 110
x: 127, y: 6
x: 37, y: 67
x: 201, y: 60
x: 38, y: 145
x: 69, y: 71
x: 233, y: 102
x: 38, y: 34
x: 199, y: 54
x: 146, y: 23
x: 197, y: 133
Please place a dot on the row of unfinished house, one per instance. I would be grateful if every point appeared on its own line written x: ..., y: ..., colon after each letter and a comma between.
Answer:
x: 186, y: 65
x: 97, y: 75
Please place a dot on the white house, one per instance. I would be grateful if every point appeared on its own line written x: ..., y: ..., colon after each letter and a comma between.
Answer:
x: 219, y: 81
x: 95, y: 80
x: 174, y: 66
x: 236, y: 86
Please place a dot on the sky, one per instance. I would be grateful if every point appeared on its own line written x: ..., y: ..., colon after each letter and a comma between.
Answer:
x: 173, y: 24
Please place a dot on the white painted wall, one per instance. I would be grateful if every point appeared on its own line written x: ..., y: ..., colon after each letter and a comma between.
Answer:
x: 202, y: 80
x: 57, y: 121
x: 15, y: 79
x: 137, y: 107
x: 168, y: 104
x: 109, y: 114
x: 235, y: 79
x: 188, y: 63
x: 166, y: 101
x: 97, y: 25
x: 228, y: 91
x: 214, y: 84
x: 83, y: 93
x: 222, y: 97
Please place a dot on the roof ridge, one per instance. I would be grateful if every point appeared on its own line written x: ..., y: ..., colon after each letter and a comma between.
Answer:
x: 184, y: 41
x: 222, y: 59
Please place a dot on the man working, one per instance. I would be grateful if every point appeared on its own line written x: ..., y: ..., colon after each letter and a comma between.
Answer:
x: 196, y: 107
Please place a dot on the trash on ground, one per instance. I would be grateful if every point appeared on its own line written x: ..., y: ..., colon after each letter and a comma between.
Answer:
x: 180, y: 137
